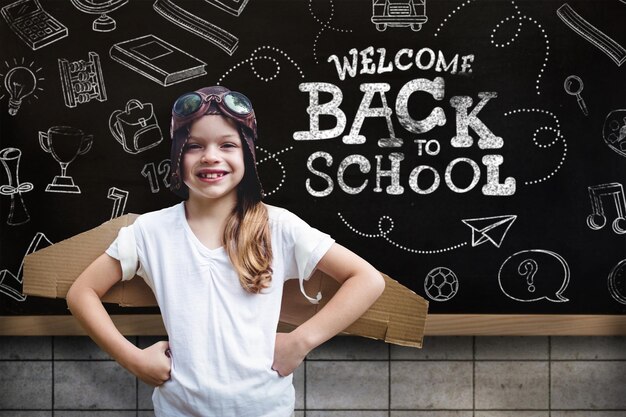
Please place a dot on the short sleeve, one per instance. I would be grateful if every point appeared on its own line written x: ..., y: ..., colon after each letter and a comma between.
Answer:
x: 124, y: 248
x: 303, y: 247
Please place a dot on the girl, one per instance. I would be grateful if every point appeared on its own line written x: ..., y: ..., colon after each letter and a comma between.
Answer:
x: 216, y: 263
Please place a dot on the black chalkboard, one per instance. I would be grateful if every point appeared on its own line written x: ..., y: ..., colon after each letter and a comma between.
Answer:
x: 471, y: 145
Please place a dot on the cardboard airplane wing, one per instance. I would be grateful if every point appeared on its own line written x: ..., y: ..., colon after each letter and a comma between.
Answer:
x: 398, y: 316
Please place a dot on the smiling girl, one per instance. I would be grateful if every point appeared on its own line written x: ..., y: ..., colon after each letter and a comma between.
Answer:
x: 217, y: 262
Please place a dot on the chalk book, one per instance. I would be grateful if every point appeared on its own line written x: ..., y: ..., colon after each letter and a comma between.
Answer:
x: 157, y: 60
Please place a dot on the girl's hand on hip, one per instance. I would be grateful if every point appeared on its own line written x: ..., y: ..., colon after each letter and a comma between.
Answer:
x: 153, y: 365
x: 289, y: 352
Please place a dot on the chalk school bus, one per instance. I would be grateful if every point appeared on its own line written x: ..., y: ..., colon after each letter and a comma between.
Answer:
x: 399, y: 13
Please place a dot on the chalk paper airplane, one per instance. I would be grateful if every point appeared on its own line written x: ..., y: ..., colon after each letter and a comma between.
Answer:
x: 490, y: 229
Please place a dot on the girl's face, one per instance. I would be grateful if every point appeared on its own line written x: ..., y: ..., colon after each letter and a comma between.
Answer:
x: 213, y: 164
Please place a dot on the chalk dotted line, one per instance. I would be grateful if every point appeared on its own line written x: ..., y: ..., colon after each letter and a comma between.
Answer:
x: 558, y: 136
x: 383, y: 234
x: 459, y: 7
x: 255, y: 57
x: 273, y: 156
x: 325, y: 25
x: 520, y: 17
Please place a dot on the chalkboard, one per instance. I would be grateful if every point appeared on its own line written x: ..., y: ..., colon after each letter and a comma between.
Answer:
x: 475, y: 151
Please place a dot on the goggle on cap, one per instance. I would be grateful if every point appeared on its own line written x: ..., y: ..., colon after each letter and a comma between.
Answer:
x: 211, y: 100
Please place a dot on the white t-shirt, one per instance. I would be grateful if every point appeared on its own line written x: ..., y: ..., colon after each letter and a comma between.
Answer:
x: 221, y: 337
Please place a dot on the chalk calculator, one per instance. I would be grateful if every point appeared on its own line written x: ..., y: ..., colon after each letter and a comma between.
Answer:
x: 32, y: 23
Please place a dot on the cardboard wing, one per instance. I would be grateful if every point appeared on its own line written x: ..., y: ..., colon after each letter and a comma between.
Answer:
x: 398, y: 316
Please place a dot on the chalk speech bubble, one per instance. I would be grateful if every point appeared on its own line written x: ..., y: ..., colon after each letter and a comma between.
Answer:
x: 534, y: 274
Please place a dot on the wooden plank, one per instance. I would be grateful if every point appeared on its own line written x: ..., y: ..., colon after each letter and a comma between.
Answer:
x: 436, y: 325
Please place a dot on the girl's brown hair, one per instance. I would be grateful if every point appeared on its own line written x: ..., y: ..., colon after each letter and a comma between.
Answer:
x: 247, y: 236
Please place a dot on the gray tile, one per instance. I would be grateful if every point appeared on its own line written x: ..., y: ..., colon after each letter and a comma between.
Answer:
x: 588, y: 385
x: 431, y: 385
x: 93, y: 385
x: 512, y: 348
x: 350, y: 347
x: 144, y: 395
x: 437, y: 348
x: 298, y: 384
x: 512, y: 385
x: 588, y: 413
x: 347, y: 385
x: 96, y: 413
x: 512, y: 414
x: 588, y: 348
x: 347, y: 413
x: 299, y: 414
x: 26, y: 384
x: 25, y: 413
x: 79, y: 347
x: 25, y: 347
x: 447, y: 413
x: 145, y: 414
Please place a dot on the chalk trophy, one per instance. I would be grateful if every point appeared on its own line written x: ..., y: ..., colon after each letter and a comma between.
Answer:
x: 10, y: 158
x: 597, y: 219
x: 64, y: 143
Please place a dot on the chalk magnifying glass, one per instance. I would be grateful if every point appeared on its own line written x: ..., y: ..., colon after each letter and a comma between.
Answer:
x: 574, y: 86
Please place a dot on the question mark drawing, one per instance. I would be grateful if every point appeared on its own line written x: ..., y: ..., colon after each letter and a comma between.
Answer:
x: 521, y: 279
x: 528, y: 268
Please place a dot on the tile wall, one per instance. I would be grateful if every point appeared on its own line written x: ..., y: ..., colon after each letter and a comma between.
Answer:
x: 348, y: 377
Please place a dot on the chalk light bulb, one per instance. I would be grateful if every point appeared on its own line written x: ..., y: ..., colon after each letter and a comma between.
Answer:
x: 20, y: 82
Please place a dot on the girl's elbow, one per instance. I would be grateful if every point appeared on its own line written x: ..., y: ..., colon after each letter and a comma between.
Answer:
x: 378, y: 282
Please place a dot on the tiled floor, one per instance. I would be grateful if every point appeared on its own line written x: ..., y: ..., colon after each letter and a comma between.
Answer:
x: 348, y: 377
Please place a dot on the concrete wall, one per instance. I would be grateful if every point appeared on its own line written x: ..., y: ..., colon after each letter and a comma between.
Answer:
x: 347, y: 376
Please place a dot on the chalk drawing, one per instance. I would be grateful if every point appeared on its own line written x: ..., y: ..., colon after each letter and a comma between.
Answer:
x: 10, y: 283
x: 273, y: 157
x: 154, y: 174
x: 36, y: 27
x: 383, y: 233
x: 255, y: 57
x: 82, y: 81
x: 597, y: 219
x: 574, y: 86
x: 18, y: 214
x: 533, y: 275
x: 64, y: 143
x: 219, y: 37
x: 119, y: 198
x: 490, y: 229
x: 441, y: 284
x: 20, y: 83
x: 558, y: 136
x: 617, y: 282
x: 614, y: 131
x: 592, y: 34
x: 104, y: 22
x: 325, y: 24
x: 518, y: 17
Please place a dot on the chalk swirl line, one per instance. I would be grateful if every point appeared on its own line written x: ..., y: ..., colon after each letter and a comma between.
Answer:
x: 384, y: 232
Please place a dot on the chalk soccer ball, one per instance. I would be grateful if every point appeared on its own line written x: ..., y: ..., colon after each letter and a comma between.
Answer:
x: 441, y: 284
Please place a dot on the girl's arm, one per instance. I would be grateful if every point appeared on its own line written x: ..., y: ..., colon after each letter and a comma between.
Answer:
x: 361, y: 285
x: 84, y: 301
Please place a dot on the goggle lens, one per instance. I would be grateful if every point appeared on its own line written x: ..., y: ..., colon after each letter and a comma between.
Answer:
x: 238, y: 103
x: 187, y: 104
